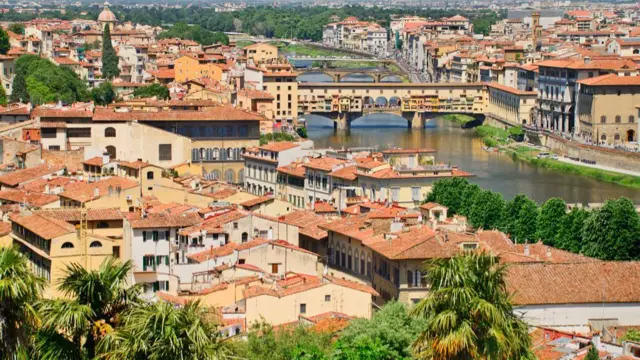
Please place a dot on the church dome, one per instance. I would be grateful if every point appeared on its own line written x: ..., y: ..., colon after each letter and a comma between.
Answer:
x: 107, y: 15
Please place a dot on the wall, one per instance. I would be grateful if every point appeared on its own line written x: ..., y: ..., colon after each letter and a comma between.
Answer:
x: 579, y: 314
x: 613, y: 158
x: 71, y: 159
x: 287, y: 259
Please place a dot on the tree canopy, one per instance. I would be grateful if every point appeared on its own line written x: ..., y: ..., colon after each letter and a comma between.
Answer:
x: 196, y: 33
x: 4, y: 42
x: 152, y: 90
x: 110, y: 59
x: 103, y: 94
x: 612, y: 232
x: 39, y: 81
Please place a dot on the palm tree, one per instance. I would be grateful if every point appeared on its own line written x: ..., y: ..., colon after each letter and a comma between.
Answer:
x: 19, y: 290
x: 468, y: 312
x: 93, y: 305
x: 162, y: 331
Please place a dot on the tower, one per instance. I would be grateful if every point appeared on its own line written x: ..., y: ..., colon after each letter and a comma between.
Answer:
x: 536, y: 29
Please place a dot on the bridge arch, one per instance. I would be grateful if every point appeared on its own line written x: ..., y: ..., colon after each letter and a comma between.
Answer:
x: 395, y: 101
x: 368, y: 101
x: 391, y: 78
x: 381, y: 101
x: 357, y: 76
x: 319, y: 76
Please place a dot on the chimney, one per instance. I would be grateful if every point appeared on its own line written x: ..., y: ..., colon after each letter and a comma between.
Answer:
x: 587, y: 60
x: 105, y: 157
x: 526, y: 250
x: 47, y: 189
x: 96, y: 192
x: 595, y: 340
x: 548, y: 251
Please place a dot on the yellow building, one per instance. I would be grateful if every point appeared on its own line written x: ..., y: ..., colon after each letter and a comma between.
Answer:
x: 607, y: 109
x: 114, y: 192
x: 510, y: 106
x: 187, y: 68
x: 51, y: 244
x: 279, y: 80
x: 261, y: 53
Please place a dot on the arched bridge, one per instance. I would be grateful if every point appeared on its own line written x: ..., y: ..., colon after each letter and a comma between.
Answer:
x: 416, y: 102
x: 338, y: 74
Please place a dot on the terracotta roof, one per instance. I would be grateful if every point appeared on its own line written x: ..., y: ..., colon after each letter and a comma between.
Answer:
x: 215, y: 223
x: 574, y: 283
x: 308, y: 223
x: 431, y: 205
x: 83, y: 192
x: 352, y: 285
x: 323, y: 207
x: 293, y: 169
x: 65, y: 61
x: 61, y: 113
x: 163, y: 220
x: 511, y: 90
x: 346, y: 173
x: 255, y: 94
x: 279, y: 146
x: 418, y: 243
x: 19, y: 176
x: 612, y: 80
x: 40, y: 185
x: 138, y: 164
x: 73, y: 215
x: 163, y: 74
x: 30, y: 198
x: 218, y: 113
x: 94, y: 161
x: 46, y: 228
x: 323, y: 163
x: 257, y: 201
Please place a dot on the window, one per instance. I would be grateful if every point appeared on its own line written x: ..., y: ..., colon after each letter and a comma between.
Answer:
x: 67, y: 245
x: 327, y: 298
x: 235, y: 225
x: 165, y: 152
x: 115, y: 252
x: 111, y: 150
x: 303, y: 308
x: 48, y: 133
x: 631, y: 119
x: 245, y: 237
x: 618, y: 119
x: 149, y: 175
x: 79, y: 132
x: 54, y: 147
x: 415, y: 193
x: 395, y: 194
x: 103, y: 225
x: 274, y: 268
x: 603, y: 119
x: 109, y: 132
x: 96, y: 244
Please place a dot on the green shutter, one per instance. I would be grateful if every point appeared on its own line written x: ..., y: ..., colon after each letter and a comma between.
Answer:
x: 167, y: 235
x: 156, y: 286
x: 144, y: 263
x: 166, y: 260
x: 144, y: 236
x: 155, y: 236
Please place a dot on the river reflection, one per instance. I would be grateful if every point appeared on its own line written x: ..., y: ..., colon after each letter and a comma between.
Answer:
x: 460, y: 147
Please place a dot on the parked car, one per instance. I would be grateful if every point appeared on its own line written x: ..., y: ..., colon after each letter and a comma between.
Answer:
x: 543, y: 155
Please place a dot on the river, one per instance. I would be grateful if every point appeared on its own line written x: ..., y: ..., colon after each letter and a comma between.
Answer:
x: 461, y: 147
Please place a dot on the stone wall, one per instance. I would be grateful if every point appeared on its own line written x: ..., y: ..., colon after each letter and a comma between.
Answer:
x: 71, y: 159
x: 602, y: 156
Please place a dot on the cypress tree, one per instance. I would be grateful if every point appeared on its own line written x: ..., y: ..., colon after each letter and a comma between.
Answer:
x: 4, y: 42
x: 110, y: 68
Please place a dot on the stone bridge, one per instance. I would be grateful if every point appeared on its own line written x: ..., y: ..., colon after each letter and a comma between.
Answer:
x: 416, y: 102
x: 338, y: 74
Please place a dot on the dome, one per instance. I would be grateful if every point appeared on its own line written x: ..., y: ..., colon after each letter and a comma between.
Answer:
x: 107, y: 15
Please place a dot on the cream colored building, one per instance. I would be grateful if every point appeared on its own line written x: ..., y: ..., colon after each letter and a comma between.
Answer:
x: 188, y: 68
x: 510, y: 106
x: 261, y: 53
x: 607, y: 111
x: 279, y: 80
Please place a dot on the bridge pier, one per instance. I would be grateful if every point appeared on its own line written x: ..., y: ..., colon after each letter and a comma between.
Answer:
x: 415, y: 120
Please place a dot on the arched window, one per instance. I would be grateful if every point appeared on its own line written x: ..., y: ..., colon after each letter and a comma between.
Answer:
x: 209, y: 154
x: 195, y: 155
x: 362, y: 265
x: 350, y: 259
x: 67, y: 245
x: 102, y: 225
x: 618, y: 119
x: 343, y: 260
x: 96, y: 244
x: 632, y: 119
x: 410, y: 278
x: 111, y: 150
x: 229, y: 176
x: 230, y: 154
x: 356, y: 262
x: 149, y: 175
x: 636, y: 51
x: 245, y: 237
x: 416, y: 280
x: 241, y: 176
x: 215, y: 175
x: 603, y: 137
x: 603, y: 119
x: 109, y: 132
x: 216, y: 153
x: 616, y: 137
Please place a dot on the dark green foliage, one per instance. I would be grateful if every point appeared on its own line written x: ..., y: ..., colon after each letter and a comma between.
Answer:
x: 302, y: 132
x: 520, y: 218
x: 152, y: 90
x: 551, y: 218
x: 449, y: 192
x: 570, y: 235
x: 110, y: 68
x: 103, y: 94
x: 17, y: 28
x: 40, y: 81
x: 278, y: 136
x: 612, y: 232
x: 4, y: 42
x: 487, y: 211
x: 196, y: 33
x: 468, y: 195
x: 3, y: 97
x: 592, y: 354
x: 482, y: 23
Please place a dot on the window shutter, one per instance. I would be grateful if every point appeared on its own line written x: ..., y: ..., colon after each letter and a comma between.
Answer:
x: 144, y: 263
x: 167, y: 235
x: 155, y: 236
x: 161, y: 235
x: 156, y: 286
x: 144, y: 236
x: 166, y: 260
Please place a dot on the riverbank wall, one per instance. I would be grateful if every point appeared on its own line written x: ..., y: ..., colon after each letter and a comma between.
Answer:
x: 619, y: 159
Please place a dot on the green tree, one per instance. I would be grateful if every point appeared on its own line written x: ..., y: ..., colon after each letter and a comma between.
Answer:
x: 302, y: 132
x: 3, y: 97
x: 551, y: 217
x: 570, y: 235
x: 468, y: 195
x: 387, y: 335
x: 110, y: 60
x: 632, y: 335
x: 162, y: 331
x: 19, y: 290
x: 17, y: 28
x: 520, y: 217
x: 93, y: 304
x: 103, y: 94
x: 4, y: 42
x: 593, y: 353
x: 487, y: 210
x: 613, y: 231
x: 468, y: 313
x: 152, y: 90
x: 449, y: 192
